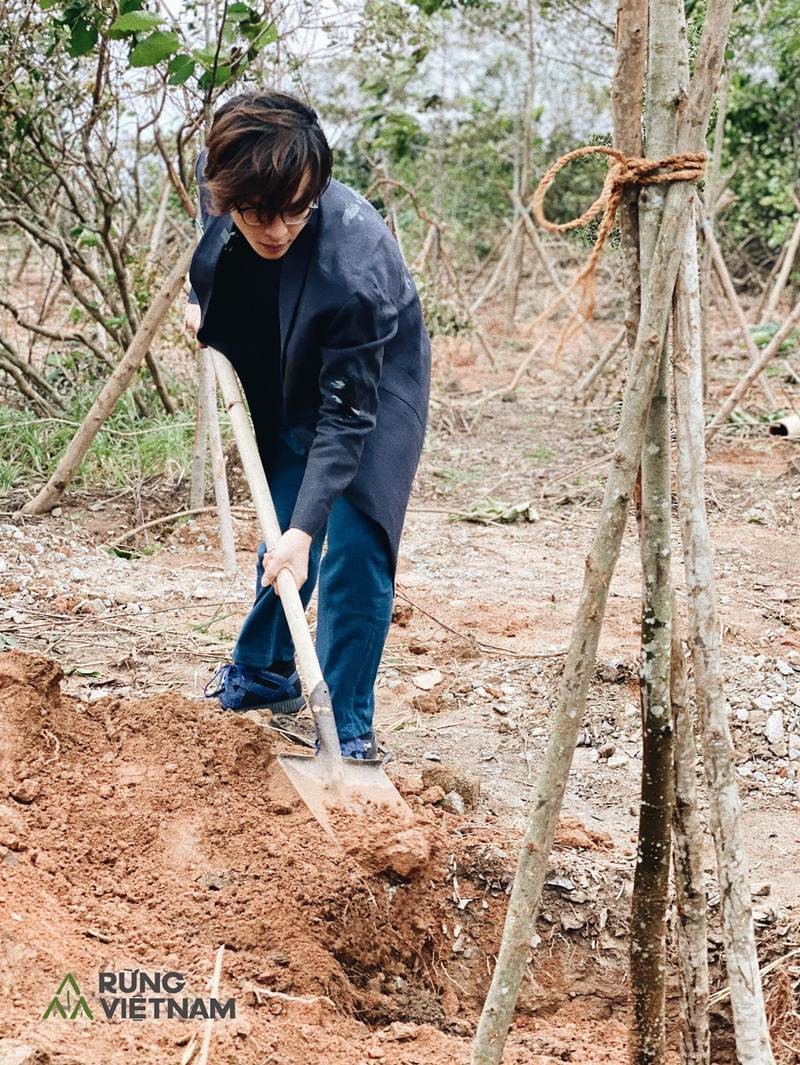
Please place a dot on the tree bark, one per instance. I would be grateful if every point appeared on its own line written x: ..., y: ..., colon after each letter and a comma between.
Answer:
x: 744, y: 977
x: 532, y: 863
x: 114, y: 387
x: 687, y: 863
x: 501, y: 999
x: 666, y: 85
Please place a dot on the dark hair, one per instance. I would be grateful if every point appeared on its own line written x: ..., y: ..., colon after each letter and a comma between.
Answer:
x: 259, y: 147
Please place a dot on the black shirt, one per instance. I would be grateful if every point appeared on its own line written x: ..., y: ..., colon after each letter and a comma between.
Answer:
x: 243, y: 323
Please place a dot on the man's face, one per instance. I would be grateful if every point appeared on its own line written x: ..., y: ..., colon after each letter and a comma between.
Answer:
x: 271, y: 239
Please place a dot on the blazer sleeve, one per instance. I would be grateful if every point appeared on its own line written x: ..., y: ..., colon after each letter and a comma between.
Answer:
x: 202, y: 198
x: 352, y: 357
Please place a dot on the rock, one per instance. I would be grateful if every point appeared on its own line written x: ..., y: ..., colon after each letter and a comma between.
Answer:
x: 432, y: 795
x: 105, y: 791
x: 399, y: 1032
x: 450, y: 779
x: 773, y: 729
x: 12, y: 827
x: 572, y: 833
x: 428, y: 679
x: 402, y: 614
x: 27, y: 791
x: 763, y: 702
x: 760, y: 891
x: 571, y: 922
x: 14, y: 1052
x: 617, y: 761
x: 453, y: 803
x: 606, y: 750
x: 408, y: 781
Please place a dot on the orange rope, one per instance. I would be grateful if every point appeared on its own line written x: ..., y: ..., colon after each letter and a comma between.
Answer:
x: 625, y: 170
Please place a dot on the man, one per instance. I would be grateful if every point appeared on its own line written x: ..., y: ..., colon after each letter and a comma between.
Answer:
x: 299, y: 282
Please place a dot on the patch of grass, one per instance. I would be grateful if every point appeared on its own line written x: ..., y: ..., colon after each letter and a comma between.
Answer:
x: 452, y: 474
x: 128, y: 449
x: 540, y: 453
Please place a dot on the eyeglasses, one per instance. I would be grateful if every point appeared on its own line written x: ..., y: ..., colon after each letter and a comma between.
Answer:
x: 254, y: 216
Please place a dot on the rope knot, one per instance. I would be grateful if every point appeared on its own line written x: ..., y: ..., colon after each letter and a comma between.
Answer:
x: 624, y: 171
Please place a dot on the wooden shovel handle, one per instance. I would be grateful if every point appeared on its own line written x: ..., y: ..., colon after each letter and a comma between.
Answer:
x: 307, y: 661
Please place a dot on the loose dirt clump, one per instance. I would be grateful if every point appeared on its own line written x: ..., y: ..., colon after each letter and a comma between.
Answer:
x: 144, y: 833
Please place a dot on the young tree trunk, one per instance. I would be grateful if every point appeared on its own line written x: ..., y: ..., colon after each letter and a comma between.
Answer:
x: 744, y: 977
x: 648, y: 947
x: 666, y: 84
x: 501, y: 999
x: 120, y: 379
x: 687, y: 863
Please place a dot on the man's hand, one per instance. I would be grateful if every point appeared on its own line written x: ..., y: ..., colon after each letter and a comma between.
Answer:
x: 290, y: 552
x: 191, y: 319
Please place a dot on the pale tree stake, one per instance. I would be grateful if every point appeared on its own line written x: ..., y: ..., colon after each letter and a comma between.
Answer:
x: 208, y: 381
x: 747, y: 1000
x: 498, y: 1010
x: 114, y: 387
x: 688, y: 865
x: 717, y: 260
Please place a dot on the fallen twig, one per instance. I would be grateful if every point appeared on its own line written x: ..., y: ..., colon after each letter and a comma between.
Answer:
x: 209, y: 1025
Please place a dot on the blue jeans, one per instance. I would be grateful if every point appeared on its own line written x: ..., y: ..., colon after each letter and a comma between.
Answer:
x: 354, y: 609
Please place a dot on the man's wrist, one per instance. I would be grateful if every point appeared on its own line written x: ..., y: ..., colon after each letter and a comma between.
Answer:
x: 302, y: 532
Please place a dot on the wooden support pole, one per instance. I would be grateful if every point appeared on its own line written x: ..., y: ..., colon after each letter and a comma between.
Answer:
x: 114, y: 387
x: 209, y: 382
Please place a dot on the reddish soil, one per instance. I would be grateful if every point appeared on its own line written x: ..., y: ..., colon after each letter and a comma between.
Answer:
x: 144, y: 833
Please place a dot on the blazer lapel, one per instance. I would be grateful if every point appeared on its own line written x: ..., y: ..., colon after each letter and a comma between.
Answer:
x: 293, y: 274
x: 213, y: 242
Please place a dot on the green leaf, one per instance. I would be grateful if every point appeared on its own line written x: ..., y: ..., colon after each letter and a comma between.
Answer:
x: 180, y: 69
x: 45, y: 5
x: 130, y: 5
x: 221, y: 75
x: 134, y: 21
x: 83, y: 38
x: 259, y: 36
x: 154, y: 48
x: 239, y: 12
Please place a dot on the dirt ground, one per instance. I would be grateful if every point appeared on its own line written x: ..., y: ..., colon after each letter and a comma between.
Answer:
x: 141, y: 828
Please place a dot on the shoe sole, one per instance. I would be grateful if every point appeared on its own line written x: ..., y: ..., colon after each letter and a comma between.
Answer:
x: 286, y: 708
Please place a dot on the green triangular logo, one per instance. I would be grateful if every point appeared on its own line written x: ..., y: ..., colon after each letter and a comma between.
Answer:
x: 75, y: 1002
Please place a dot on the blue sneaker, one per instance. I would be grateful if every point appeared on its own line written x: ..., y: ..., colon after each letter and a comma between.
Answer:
x: 241, y: 688
x: 363, y: 748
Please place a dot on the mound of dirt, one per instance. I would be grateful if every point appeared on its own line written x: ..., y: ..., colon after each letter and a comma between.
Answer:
x: 143, y: 834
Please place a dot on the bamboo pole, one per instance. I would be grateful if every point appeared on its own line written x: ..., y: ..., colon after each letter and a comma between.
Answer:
x: 117, y: 383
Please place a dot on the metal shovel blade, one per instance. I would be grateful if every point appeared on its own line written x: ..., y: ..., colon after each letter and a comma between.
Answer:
x: 360, y: 789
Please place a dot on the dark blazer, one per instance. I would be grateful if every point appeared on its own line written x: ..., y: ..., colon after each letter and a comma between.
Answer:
x: 355, y: 357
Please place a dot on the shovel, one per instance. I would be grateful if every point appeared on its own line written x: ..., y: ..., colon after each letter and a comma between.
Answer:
x: 328, y: 784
